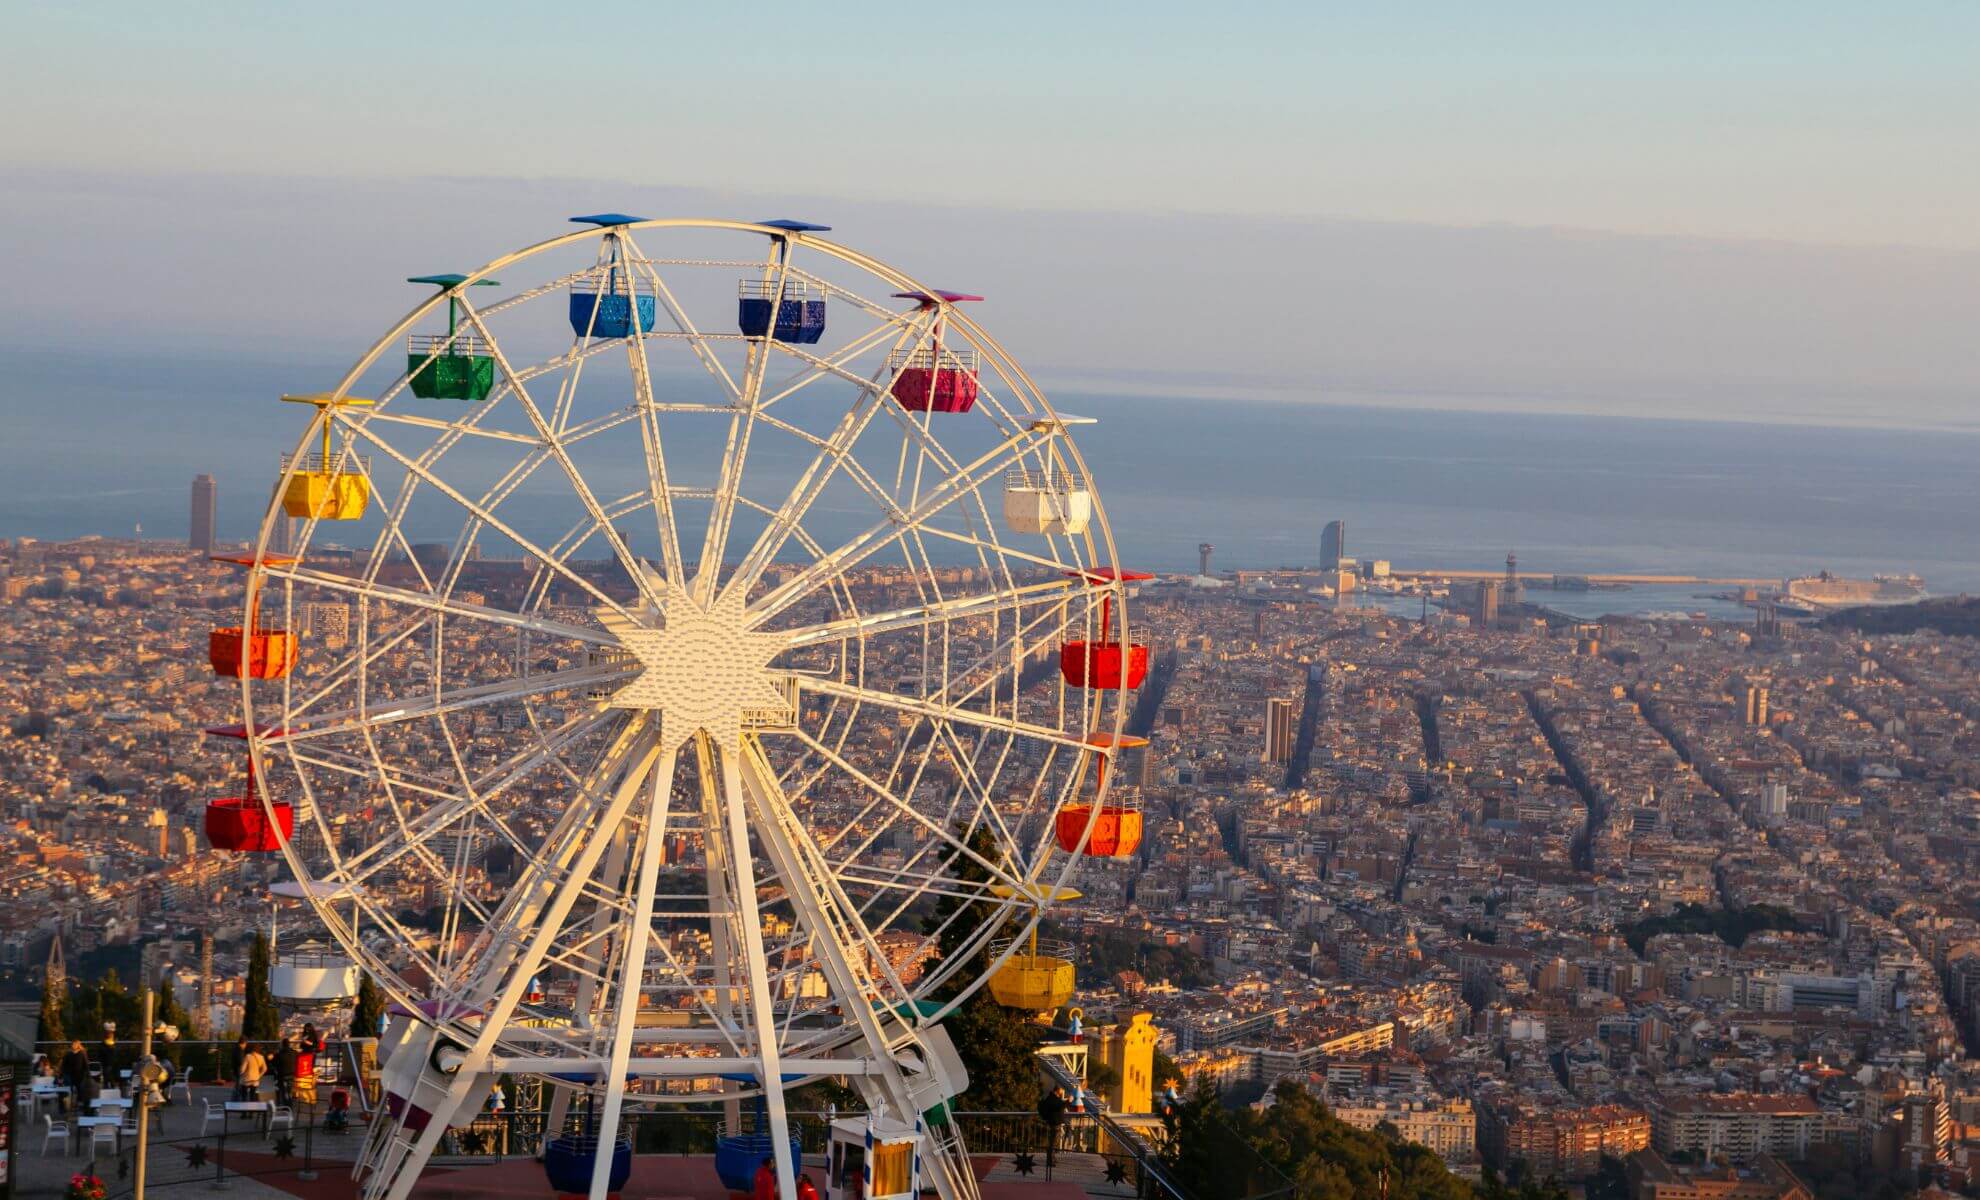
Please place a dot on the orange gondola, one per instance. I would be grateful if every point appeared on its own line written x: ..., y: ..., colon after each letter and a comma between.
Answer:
x: 252, y: 651
x: 1116, y: 831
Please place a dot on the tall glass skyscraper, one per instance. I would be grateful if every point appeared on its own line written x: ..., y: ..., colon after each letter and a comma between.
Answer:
x: 1333, y: 544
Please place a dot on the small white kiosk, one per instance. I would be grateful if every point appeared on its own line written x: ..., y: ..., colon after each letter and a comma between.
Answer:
x: 872, y: 1160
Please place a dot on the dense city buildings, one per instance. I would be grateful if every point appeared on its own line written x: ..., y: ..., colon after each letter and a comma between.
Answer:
x: 1532, y: 895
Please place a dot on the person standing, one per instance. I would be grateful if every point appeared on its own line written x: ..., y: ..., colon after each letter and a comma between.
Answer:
x: 764, y: 1186
x: 75, y: 1073
x: 247, y: 1080
x: 284, y: 1068
x: 1052, y: 1111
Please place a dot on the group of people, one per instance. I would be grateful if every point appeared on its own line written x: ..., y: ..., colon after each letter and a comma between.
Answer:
x: 83, y: 1075
x: 292, y: 1066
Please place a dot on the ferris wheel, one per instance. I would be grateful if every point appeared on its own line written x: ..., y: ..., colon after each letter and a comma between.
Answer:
x: 676, y: 678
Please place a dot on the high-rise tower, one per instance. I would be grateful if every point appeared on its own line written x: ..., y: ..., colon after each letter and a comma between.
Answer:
x: 1203, y: 550
x: 1278, y: 730
x: 1509, y: 593
x: 204, y: 496
x: 1333, y: 544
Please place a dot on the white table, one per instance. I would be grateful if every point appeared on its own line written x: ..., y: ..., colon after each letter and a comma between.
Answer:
x: 123, y: 1102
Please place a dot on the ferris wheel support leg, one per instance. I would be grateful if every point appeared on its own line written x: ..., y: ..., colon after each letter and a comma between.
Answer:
x: 651, y: 849
x: 643, y: 750
x: 721, y: 909
x: 587, y: 987
x: 763, y: 1015
x: 825, y: 911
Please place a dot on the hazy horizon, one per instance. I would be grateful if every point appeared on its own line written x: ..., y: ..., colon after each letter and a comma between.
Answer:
x: 1388, y: 313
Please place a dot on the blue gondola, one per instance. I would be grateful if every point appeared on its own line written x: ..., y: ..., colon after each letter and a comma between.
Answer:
x: 737, y: 1155
x: 799, y: 317
x: 567, y: 1162
x: 615, y: 306
x: 618, y: 305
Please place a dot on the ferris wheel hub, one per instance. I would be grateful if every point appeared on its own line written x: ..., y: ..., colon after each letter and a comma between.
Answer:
x: 701, y: 668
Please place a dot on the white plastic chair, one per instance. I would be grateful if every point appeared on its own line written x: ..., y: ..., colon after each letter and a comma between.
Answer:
x: 214, y: 1113
x: 281, y: 1114
x: 106, y: 1132
x: 182, y: 1086
x: 55, y: 1131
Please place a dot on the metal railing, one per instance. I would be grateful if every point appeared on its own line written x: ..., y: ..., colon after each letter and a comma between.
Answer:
x: 315, y: 462
x: 1054, y: 480
x: 440, y: 345
x: 613, y: 287
x: 766, y: 289
x: 1043, y: 948
x: 315, y: 956
x: 928, y: 358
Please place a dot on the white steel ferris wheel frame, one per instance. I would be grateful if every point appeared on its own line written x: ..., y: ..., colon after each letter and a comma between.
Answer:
x: 679, y: 676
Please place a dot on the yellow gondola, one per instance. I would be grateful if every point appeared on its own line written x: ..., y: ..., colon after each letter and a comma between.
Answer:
x: 327, y: 486
x: 1038, y: 978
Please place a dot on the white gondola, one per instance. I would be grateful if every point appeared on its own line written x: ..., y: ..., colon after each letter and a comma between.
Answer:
x: 1051, y: 501
x: 312, y: 974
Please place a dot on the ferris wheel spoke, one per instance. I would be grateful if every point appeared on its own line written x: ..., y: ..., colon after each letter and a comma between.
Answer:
x: 936, y: 711
x: 412, y: 420
x: 372, y: 590
x: 878, y: 536
x: 544, y: 430
x: 451, y: 700
x: 686, y: 325
x: 995, y: 871
x: 556, y: 876
x: 344, y: 670
x: 819, y: 368
x: 636, y: 934
x: 489, y: 518
x: 824, y: 908
x: 834, y: 454
x: 935, y: 612
x: 666, y: 526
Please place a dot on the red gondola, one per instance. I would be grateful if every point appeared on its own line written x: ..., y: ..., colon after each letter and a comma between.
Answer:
x: 248, y: 824
x: 1105, y: 663
x: 933, y: 378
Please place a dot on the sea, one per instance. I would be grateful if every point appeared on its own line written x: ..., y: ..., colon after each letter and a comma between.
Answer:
x: 99, y: 443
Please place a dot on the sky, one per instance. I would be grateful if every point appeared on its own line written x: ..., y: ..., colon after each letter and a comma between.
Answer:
x: 1759, y: 211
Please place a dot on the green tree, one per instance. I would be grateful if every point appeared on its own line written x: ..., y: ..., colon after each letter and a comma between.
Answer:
x: 86, y: 1011
x: 370, y: 1008
x: 168, y: 1011
x: 1323, y: 1156
x: 49, y: 1027
x: 259, y: 1020
x: 996, y: 1045
x: 120, y: 1005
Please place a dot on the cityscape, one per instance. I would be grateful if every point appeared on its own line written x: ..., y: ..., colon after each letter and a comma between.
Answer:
x: 1278, y: 602
x: 1531, y: 892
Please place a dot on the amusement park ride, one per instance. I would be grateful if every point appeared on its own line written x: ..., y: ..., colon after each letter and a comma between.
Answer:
x: 766, y: 741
